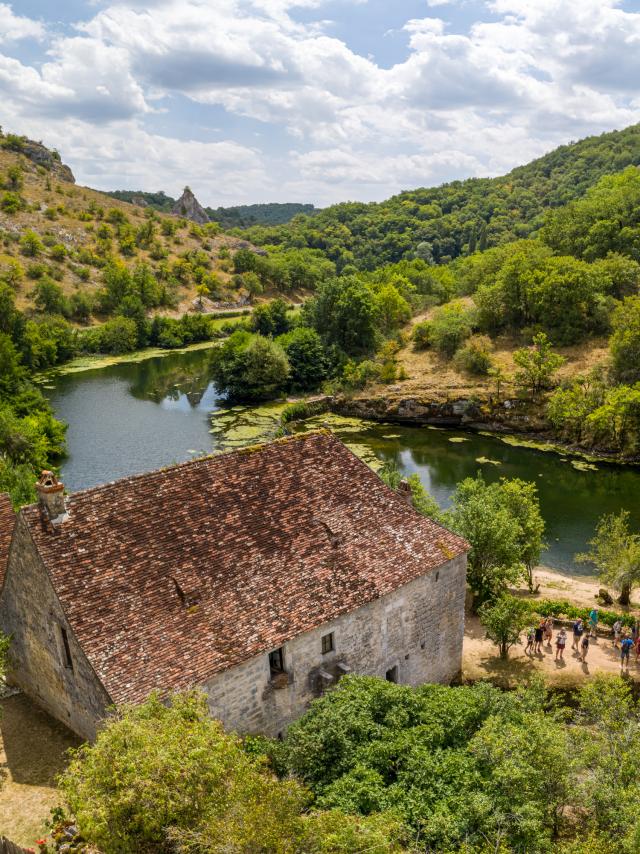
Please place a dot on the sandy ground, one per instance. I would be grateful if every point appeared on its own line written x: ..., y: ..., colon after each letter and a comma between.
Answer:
x: 32, y: 754
x: 481, y: 660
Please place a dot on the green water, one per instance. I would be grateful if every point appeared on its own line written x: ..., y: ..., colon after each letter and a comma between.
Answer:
x: 130, y: 418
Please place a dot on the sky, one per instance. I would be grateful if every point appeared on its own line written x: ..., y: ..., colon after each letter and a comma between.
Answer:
x: 315, y: 101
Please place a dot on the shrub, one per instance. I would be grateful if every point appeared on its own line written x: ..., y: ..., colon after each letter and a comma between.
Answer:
x: 11, y: 203
x: 421, y: 335
x: 475, y: 356
x: 118, y: 335
x: 451, y: 325
x: 30, y: 244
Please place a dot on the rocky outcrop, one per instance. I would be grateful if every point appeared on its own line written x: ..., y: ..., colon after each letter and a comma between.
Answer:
x: 190, y: 208
x: 50, y: 160
x: 512, y: 415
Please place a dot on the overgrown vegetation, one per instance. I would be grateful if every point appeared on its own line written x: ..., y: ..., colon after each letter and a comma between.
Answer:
x: 372, y: 767
x: 167, y: 778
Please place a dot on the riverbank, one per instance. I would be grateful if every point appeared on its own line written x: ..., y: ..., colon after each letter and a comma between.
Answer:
x: 516, y: 421
x: 98, y: 361
x: 481, y: 659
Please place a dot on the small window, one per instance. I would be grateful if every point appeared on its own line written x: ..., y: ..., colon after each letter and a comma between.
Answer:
x: 327, y: 643
x: 66, y: 649
x: 276, y: 661
x: 392, y: 674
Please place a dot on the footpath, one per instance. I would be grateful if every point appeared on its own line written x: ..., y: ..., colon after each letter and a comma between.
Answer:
x: 482, y: 661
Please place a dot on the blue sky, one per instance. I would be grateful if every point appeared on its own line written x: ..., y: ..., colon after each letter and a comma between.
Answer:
x: 312, y: 100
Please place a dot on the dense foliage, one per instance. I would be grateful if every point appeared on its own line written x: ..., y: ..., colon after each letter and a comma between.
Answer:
x: 167, y: 778
x: 474, y: 769
x: 445, y: 222
x: 30, y: 437
x: 271, y: 213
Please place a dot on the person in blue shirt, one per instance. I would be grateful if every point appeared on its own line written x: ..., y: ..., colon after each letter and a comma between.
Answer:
x: 593, y: 622
x: 625, y: 649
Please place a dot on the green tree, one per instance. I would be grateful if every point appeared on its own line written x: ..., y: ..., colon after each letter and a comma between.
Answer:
x: 479, y: 513
x: 616, y: 422
x: 421, y: 500
x: 392, y: 309
x: 615, y: 551
x: 158, y: 768
x: 271, y: 318
x: 625, y: 341
x: 118, y: 335
x: 164, y: 777
x: 49, y: 297
x: 521, y: 500
x: 30, y: 244
x: 504, y: 620
x: 344, y: 314
x: 307, y: 359
x: 450, y: 326
x: 250, y: 367
x: 537, y: 365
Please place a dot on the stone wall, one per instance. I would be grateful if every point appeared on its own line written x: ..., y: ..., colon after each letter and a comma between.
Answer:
x: 31, y: 612
x: 417, y: 629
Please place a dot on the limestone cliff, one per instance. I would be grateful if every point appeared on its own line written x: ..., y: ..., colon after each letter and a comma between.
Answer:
x: 37, y: 153
x: 190, y: 208
x: 50, y: 160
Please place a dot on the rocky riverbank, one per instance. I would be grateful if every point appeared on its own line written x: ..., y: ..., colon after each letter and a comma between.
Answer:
x: 520, y: 418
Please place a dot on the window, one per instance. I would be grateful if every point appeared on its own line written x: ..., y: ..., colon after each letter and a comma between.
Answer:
x: 392, y: 674
x: 276, y: 661
x: 327, y: 643
x: 66, y: 649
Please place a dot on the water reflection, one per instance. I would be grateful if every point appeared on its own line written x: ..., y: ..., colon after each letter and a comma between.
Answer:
x: 571, y: 500
x: 137, y: 417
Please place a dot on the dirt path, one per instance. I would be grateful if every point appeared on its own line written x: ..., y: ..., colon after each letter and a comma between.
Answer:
x: 32, y: 754
x: 481, y: 661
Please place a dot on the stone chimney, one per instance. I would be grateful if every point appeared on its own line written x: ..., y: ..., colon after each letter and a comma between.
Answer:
x: 404, y: 491
x: 51, y: 498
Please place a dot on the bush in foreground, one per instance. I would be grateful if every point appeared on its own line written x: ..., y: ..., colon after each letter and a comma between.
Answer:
x: 166, y: 778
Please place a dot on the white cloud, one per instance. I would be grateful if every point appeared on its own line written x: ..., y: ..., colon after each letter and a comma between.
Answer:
x: 459, y: 103
x: 16, y: 27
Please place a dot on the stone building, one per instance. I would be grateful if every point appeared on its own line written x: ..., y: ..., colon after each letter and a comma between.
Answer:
x: 7, y: 521
x: 262, y: 576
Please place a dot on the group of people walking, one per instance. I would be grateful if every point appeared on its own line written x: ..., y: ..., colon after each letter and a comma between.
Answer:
x: 623, y: 639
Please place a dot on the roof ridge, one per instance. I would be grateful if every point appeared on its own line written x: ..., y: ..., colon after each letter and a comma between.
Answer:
x: 230, y: 452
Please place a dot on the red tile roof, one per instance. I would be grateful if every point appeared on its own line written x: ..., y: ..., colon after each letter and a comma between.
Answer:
x: 7, y: 522
x: 170, y: 577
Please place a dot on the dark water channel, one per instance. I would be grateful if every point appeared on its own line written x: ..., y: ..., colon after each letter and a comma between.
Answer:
x: 135, y: 417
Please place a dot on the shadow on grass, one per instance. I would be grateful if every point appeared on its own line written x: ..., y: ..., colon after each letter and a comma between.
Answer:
x: 35, y: 744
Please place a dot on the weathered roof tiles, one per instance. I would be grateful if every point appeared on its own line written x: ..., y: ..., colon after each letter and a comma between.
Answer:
x: 7, y: 523
x: 170, y: 577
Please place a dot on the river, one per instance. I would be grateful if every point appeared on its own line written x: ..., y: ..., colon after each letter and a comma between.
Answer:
x: 136, y: 417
